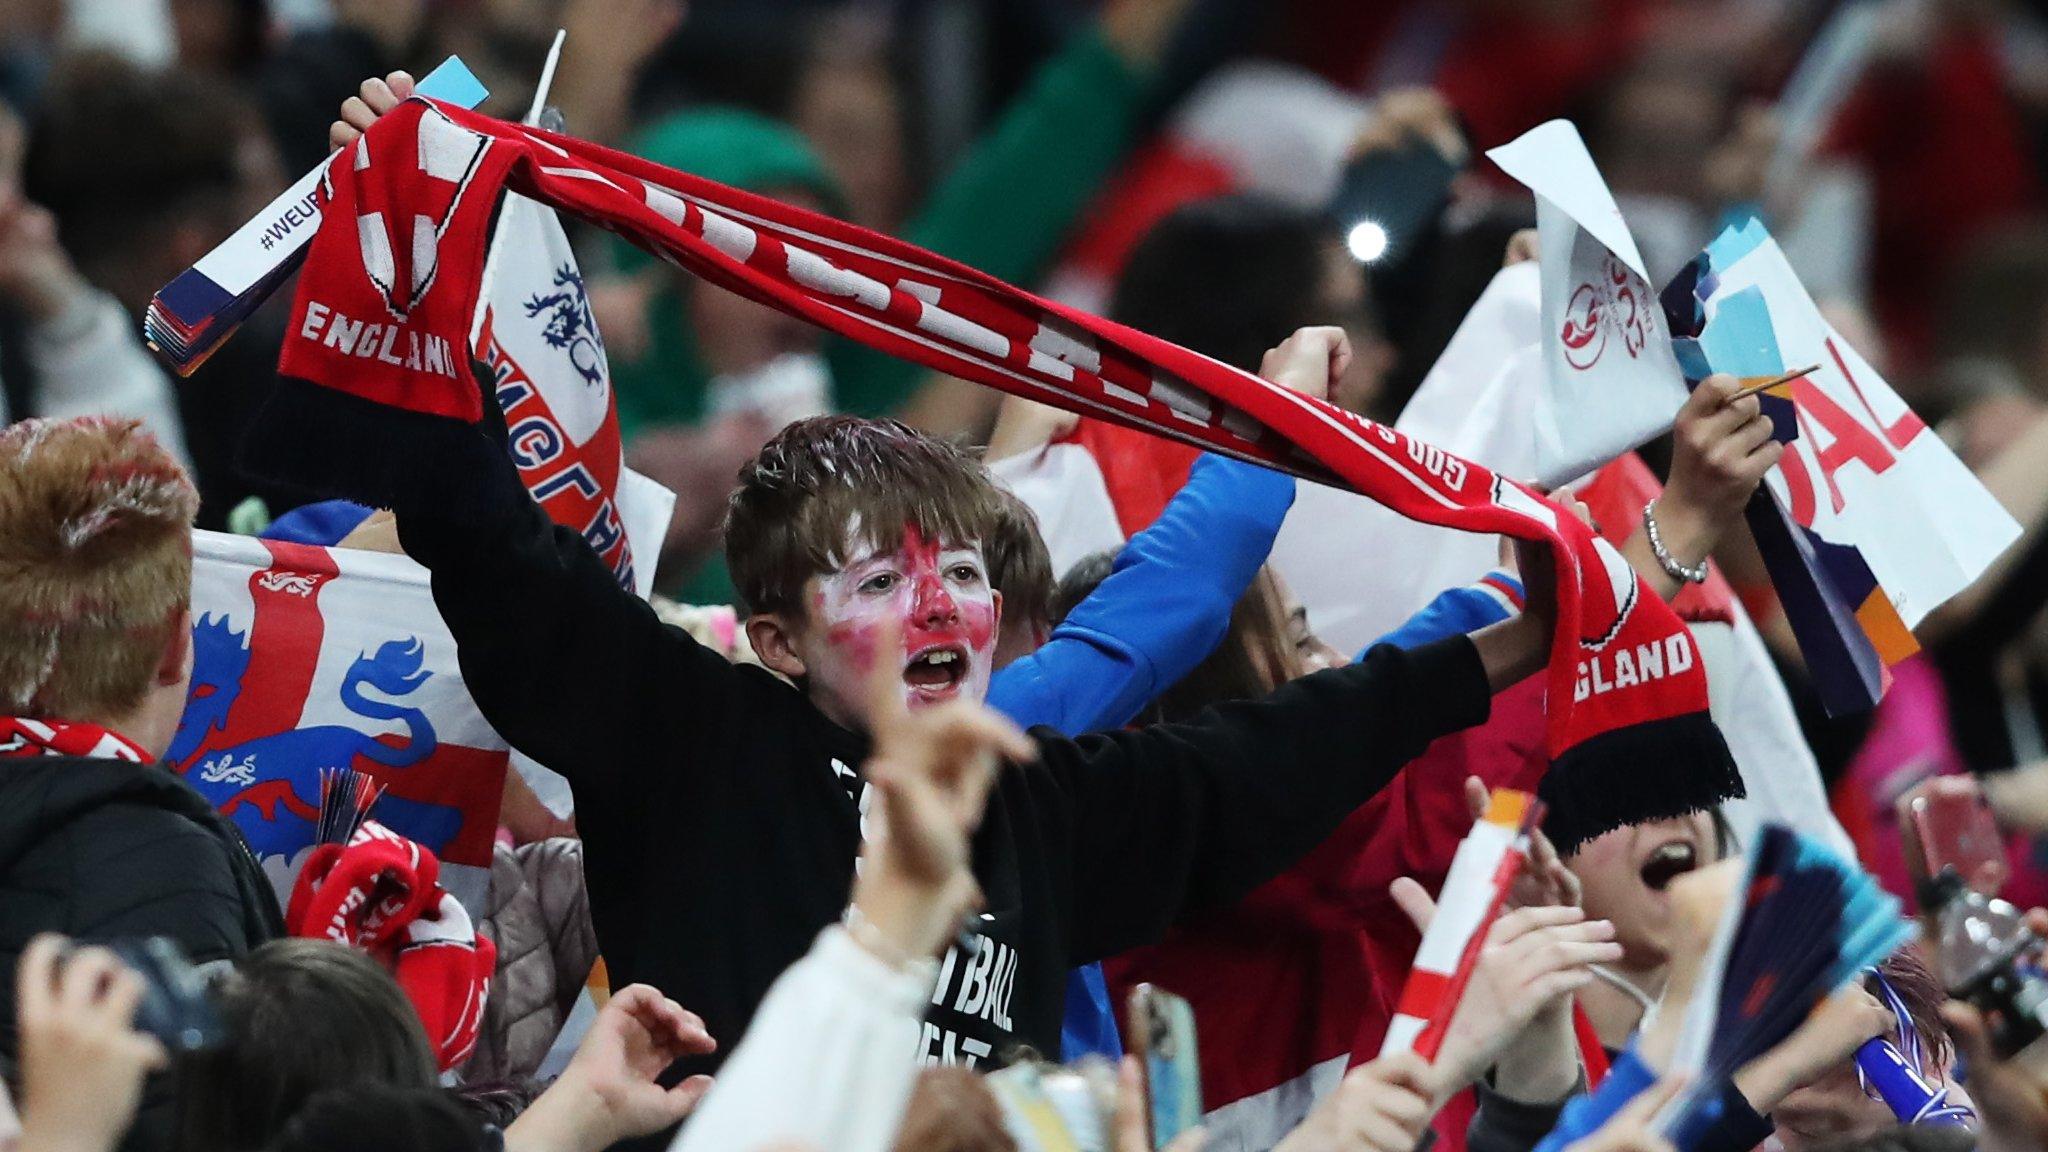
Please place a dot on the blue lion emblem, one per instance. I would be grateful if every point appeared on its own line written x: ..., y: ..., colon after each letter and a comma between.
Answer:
x: 269, y: 782
x: 571, y: 326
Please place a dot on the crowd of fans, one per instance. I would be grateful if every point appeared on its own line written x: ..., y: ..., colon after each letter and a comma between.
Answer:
x: 829, y: 891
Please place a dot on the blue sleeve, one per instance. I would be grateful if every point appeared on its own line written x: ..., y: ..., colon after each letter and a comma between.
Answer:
x: 1456, y: 611
x: 1161, y: 611
x: 1585, y: 1114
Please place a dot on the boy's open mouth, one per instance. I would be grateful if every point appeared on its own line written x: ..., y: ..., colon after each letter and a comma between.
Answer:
x: 937, y: 670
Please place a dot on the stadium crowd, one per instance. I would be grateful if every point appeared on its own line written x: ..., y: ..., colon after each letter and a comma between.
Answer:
x: 890, y: 790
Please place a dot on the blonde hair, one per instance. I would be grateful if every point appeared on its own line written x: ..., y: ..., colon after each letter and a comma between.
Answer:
x: 95, y: 564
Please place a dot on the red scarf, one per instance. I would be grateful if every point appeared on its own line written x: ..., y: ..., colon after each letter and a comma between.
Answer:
x: 392, y: 278
x: 381, y: 893
x: 21, y: 738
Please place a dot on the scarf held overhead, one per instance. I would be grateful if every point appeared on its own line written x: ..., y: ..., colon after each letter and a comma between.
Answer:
x: 392, y: 278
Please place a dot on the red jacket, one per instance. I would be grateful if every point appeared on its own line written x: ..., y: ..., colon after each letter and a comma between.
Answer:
x: 1304, y: 972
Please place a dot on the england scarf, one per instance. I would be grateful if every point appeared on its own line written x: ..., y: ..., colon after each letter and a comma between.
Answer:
x: 392, y: 280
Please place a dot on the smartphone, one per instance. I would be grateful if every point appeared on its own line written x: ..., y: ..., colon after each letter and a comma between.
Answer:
x: 1396, y: 194
x: 1162, y: 1036
x: 177, y: 1004
x: 1945, y: 822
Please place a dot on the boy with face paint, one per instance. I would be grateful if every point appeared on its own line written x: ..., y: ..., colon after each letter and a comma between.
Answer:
x: 722, y: 810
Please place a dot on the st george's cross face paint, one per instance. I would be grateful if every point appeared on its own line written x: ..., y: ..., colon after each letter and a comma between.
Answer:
x: 936, y: 597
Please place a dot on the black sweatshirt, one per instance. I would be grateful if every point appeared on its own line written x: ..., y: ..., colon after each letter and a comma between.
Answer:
x: 718, y: 807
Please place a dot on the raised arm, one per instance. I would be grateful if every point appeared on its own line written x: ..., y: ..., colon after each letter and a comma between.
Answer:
x: 568, y: 666
x: 1163, y: 608
x: 1177, y: 817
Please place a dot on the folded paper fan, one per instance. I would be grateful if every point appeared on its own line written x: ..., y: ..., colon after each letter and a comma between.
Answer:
x: 1803, y: 923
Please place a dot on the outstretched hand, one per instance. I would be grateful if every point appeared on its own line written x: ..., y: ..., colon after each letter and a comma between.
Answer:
x: 608, y: 1092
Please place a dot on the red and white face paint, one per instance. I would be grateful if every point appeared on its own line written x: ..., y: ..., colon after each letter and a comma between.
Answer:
x: 937, y: 598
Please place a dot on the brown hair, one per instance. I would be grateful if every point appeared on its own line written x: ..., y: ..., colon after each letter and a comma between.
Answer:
x: 1254, y: 658
x: 1019, y: 566
x: 1921, y: 993
x: 95, y: 564
x: 822, y: 479
x: 301, y: 1016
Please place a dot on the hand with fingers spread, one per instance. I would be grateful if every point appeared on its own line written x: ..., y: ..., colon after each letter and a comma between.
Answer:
x: 373, y: 99
x: 1309, y: 361
x: 1629, y: 1130
x: 1519, y: 1000
x: 1721, y: 450
x: 82, y: 1062
x: 608, y: 1092
x: 1133, y: 1132
x: 931, y: 771
x: 1378, y: 1107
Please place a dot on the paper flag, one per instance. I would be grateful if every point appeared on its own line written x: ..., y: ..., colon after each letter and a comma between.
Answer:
x: 1869, y: 522
x: 1609, y: 371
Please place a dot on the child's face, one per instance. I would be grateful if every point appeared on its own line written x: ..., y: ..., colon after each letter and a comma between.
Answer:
x: 935, y: 597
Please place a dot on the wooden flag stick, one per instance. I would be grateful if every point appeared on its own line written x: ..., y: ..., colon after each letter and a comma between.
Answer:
x: 1787, y: 378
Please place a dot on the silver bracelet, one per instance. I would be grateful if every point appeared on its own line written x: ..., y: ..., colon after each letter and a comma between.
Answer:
x: 1665, y: 560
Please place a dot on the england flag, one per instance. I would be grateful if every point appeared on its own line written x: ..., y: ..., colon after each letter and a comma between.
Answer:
x: 536, y: 334
x: 308, y: 659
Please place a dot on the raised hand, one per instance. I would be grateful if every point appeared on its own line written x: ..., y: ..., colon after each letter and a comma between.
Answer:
x: 1518, y: 1003
x: 1825, y: 1041
x: 1310, y: 361
x: 931, y: 771
x: 1544, y: 879
x: 82, y: 1062
x: 373, y: 99
x: 608, y: 1092
x: 1721, y: 450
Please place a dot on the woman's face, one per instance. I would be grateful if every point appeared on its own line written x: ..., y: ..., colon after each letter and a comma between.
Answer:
x: 1310, y: 652
x: 1625, y: 876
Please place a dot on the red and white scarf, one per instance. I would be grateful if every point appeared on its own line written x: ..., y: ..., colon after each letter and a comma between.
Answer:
x: 392, y: 278
x: 381, y: 893
x: 21, y: 737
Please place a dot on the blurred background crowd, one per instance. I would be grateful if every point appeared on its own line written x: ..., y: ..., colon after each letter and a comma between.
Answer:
x: 1036, y: 140
x: 1181, y: 166
x: 1040, y: 140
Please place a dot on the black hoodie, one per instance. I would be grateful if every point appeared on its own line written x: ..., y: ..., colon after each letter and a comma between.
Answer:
x: 108, y: 849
